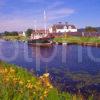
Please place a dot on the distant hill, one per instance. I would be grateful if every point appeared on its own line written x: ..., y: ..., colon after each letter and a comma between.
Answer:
x: 98, y: 28
x: 83, y: 29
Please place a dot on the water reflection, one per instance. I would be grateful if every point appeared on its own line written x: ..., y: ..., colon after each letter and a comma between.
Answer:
x: 67, y: 80
x: 65, y: 77
x: 62, y: 62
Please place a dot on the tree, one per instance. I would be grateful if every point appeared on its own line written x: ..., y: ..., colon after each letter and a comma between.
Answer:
x: 29, y: 32
x: 6, y: 33
x: 14, y: 33
x: 90, y: 29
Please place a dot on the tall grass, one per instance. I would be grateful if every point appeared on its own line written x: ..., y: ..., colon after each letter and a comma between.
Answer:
x: 18, y: 84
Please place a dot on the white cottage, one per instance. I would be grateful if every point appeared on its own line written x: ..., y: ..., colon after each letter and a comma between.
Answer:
x: 62, y: 28
x: 22, y: 34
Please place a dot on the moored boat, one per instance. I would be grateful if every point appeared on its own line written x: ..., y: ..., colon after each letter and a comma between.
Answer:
x: 41, y: 39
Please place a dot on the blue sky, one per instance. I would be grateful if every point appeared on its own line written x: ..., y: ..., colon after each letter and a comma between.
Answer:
x: 19, y: 15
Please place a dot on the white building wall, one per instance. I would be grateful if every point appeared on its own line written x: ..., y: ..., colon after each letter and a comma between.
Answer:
x: 24, y: 34
x: 50, y: 30
x: 72, y: 30
x: 66, y: 30
x: 61, y: 30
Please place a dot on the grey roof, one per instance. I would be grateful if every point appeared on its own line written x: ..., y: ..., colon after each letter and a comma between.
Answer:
x: 61, y: 26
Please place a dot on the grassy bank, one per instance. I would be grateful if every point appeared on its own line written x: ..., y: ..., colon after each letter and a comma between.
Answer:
x: 61, y: 39
x: 14, y: 38
x: 78, y: 40
x: 18, y: 84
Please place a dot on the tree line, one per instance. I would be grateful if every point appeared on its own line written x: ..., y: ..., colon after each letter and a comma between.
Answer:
x: 29, y: 31
x: 6, y: 33
x: 91, y: 29
x: 15, y: 33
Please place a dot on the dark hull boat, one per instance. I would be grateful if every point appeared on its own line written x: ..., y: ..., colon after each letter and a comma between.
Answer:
x: 42, y: 42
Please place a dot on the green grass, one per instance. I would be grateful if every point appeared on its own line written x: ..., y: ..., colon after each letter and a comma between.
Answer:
x: 74, y: 39
x: 17, y: 83
x: 14, y: 38
x: 61, y: 39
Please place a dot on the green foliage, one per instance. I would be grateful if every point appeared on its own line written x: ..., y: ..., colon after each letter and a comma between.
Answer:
x: 53, y: 95
x: 90, y: 29
x: 66, y: 96
x: 91, y: 98
x: 29, y: 32
x: 14, y: 33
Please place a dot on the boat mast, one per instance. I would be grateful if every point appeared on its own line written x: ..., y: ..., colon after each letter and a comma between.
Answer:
x: 35, y: 28
x: 45, y: 27
x: 45, y: 22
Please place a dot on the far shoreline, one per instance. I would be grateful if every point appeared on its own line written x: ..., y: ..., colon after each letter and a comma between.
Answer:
x: 70, y: 40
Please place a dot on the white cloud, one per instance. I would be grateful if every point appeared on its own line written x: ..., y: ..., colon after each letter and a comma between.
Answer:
x: 20, y: 20
x: 57, y: 11
x: 60, y: 13
x: 19, y: 23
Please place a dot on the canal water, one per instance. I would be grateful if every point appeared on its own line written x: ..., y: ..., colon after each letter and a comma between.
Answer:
x: 71, y: 67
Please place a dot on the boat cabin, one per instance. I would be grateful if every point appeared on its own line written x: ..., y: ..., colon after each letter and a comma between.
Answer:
x: 38, y: 34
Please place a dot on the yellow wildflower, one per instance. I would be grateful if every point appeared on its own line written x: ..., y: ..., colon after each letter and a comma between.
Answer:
x: 50, y: 86
x: 45, y: 93
x: 6, y: 70
x: 41, y: 77
x: 28, y: 81
x: 29, y: 86
x: 12, y: 70
x: 46, y: 75
x: 21, y: 82
x: 41, y: 98
x: 15, y: 80
x: 6, y: 79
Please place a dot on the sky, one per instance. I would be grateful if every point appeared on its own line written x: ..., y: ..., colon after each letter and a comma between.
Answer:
x: 19, y: 15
